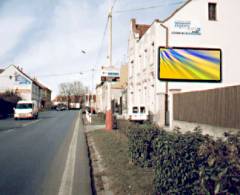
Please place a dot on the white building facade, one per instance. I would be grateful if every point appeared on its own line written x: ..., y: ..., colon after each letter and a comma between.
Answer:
x: 13, y: 79
x: 220, y: 32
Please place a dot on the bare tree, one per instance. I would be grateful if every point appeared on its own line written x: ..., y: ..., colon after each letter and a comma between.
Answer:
x: 72, y: 90
x: 77, y: 88
x: 65, y: 89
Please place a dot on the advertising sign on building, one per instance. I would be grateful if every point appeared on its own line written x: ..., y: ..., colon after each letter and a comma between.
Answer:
x: 21, y: 80
x: 185, y: 27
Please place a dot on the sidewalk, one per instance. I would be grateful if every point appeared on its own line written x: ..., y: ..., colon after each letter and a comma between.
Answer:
x: 89, y: 128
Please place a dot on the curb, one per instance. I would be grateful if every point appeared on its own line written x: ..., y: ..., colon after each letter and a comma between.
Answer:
x: 94, y: 192
x: 97, y: 171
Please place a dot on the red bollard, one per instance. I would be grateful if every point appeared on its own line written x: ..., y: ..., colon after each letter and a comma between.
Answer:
x: 109, y: 121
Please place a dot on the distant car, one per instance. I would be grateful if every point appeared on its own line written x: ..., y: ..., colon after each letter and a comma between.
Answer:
x: 26, y: 109
x: 61, y: 107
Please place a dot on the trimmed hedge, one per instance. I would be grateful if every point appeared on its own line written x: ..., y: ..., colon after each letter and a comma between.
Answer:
x: 189, y: 163
x: 176, y: 170
x: 141, y: 144
x: 220, y: 168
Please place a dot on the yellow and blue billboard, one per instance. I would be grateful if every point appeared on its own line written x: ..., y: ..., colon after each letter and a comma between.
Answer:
x: 190, y: 64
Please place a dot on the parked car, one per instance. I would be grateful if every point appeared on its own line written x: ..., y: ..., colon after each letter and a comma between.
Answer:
x: 61, y: 107
x: 26, y: 109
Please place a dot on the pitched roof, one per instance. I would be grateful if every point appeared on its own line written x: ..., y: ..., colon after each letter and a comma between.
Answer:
x: 21, y: 71
x: 142, y: 28
x: 40, y: 84
x: 176, y: 10
x: 30, y: 78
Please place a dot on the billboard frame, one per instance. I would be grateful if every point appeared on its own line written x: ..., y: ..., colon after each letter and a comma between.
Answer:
x: 190, y: 80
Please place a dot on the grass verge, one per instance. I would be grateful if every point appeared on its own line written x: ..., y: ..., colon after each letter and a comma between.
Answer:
x: 124, y: 176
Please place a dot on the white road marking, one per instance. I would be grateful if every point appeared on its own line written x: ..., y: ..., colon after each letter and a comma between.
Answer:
x: 66, y: 185
x: 9, y: 131
x: 27, y: 124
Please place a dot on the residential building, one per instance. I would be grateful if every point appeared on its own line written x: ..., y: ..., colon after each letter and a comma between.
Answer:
x: 116, y: 90
x: 14, y: 79
x: 45, y: 95
x: 216, y: 26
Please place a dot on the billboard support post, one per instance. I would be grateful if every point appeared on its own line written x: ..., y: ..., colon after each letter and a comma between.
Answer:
x: 166, y: 84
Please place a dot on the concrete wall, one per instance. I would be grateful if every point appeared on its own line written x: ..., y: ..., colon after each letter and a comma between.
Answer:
x: 206, y: 129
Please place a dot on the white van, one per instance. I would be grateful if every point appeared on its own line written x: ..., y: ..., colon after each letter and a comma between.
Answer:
x: 139, y: 113
x: 26, y: 109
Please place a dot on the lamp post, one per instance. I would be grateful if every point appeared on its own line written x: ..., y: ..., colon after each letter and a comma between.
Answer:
x: 91, y: 95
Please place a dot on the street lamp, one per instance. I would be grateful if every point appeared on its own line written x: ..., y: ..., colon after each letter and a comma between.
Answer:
x: 91, y: 99
x: 83, y: 51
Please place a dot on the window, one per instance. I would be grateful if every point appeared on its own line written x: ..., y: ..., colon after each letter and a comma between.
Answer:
x: 135, y: 109
x: 212, y: 11
x: 142, y: 109
x: 24, y: 106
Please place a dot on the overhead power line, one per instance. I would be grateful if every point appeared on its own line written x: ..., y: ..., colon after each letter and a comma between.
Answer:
x: 114, y: 3
x: 149, y: 7
x: 67, y: 74
x: 101, y: 44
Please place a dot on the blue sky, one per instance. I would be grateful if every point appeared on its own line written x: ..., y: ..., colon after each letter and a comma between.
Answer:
x: 45, y: 37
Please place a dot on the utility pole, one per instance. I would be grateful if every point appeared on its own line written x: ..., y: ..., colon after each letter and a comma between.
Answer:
x: 109, y: 121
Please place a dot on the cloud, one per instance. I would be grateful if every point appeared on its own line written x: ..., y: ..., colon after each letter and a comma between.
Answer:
x: 71, y: 28
x: 11, y: 31
x: 46, y: 36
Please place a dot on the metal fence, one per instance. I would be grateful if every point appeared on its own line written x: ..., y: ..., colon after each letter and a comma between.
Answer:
x: 218, y: 107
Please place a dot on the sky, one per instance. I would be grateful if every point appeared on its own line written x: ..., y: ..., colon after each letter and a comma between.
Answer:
x: 46, y: 37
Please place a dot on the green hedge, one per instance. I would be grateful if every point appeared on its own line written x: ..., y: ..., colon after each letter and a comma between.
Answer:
x: 176, y: 170
x: 140, y: 144
x: 189, y: 163
x: 220, y: 170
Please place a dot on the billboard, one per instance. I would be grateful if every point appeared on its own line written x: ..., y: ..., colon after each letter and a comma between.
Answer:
x: 190, y: 64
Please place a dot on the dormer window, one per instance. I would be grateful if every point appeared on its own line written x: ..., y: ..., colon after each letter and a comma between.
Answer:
x: 212, y: 11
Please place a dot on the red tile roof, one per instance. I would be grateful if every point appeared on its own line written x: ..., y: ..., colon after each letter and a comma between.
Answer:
x: 139, y: 28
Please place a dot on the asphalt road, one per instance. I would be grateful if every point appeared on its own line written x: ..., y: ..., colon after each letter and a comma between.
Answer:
x: 34, y: 153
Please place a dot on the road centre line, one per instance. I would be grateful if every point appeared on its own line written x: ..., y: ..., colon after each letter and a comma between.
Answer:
x: 66, y: 186
x: 9, y: 131
x: 33, y: 122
